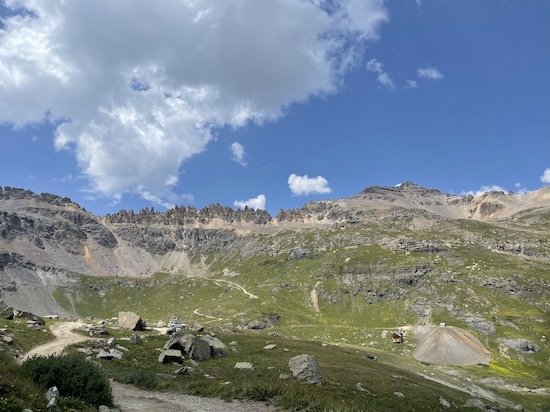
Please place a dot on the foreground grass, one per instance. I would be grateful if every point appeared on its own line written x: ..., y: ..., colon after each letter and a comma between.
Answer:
x: 343, y: 369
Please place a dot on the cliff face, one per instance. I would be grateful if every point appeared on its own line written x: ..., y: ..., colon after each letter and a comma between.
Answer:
x: 45, y: 238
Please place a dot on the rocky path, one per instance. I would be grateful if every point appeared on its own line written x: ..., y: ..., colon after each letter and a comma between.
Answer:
x: 131, y: 399
x: 64, y: 336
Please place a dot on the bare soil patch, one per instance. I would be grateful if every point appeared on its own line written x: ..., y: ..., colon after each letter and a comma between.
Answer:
x: 449, y: 345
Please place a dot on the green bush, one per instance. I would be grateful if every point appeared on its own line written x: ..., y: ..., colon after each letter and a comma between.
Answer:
x: 73, y: 375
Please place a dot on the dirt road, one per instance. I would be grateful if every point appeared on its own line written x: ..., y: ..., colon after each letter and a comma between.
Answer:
x: 64, y: 336
x: 130, y: 399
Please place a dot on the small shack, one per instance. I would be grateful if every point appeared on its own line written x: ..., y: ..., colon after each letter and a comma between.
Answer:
x: 397, y: 337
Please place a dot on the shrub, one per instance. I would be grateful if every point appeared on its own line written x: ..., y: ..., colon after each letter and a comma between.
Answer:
x: 73, y: 375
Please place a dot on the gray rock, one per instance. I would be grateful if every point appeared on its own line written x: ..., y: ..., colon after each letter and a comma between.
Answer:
x: 136, y: 339
x: 198, y: 349
x: 116, y: 353
x: 7, y: 339
x: 244, y: 365
x: 6, y: 312
x: 197, y: 327
x: 170, y: 355
x: 217, y: 347
x: 130, y: 320
x: 183, y: 371
x: 522, y: 345
x: 298, y: 253
x: 103, y: 354
x: 444, y: 402
x: 256, y: 324
x: 480, y: 325
x: 399, y: 394
x: 271, y: 346
x: 306, y: 369
x: 52, y: 396
x: 111, y: 342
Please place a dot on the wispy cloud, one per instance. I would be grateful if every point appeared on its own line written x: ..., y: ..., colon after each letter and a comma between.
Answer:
x: 257, y: 202
x: 304, y: 185
x: 238, y: 153
x: 412, y: 84
x: 430, y: 73
x: 382, y: 77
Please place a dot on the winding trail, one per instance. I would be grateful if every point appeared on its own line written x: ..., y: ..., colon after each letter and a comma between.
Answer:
x: 236, y: 285
x: 64, y: 336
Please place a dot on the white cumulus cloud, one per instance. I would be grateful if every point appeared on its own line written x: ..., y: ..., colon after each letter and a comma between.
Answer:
x: 382, y: 77
x: 304, y: 185
x: 545, y: 178
x: 430, y: 73
x: 484, y: 189
x: 412, y: 84
x: 135, y: 88
x: 257, y: 202
x: 238, y: 152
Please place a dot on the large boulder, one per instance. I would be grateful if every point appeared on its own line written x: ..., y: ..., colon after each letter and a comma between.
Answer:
x: 217, y: 347
x: 522, y: 345
x: 171, y: 355
x: 306, y: 369
x: 197, y: 348
x: 130, y: 320
x: 29, y: 316
x: 6, y: 312
x: 256, y: 324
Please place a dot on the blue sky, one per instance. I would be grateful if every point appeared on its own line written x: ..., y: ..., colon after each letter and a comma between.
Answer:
x: 140, y: 104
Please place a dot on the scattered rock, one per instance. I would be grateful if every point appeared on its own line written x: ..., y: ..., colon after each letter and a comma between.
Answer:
x: 271, y: 346
x: 256, y: 324
x: 244, y: 365
x: 444, y: 402
x: 217, y: 347
x: 86, y: 351
x: 480, y: 325
x: 111, y: 342
x: 361, y: 388
x: 284, y: 376
x: 7, y: 339
x: 522, y: 345
x: 116, y: 353
x: 197, y: 327
x: 103, y: 354
x: 52, y: 396
x: 197, y: 348
x: 6, y: 312
x: 130, y: 320
x: 135, y: 339
x: 183, y: 371
x: 161, y: 324
x: 399, y: 394
x: 371, y: 357
x: 306, y: 369
x: 171, y: 355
